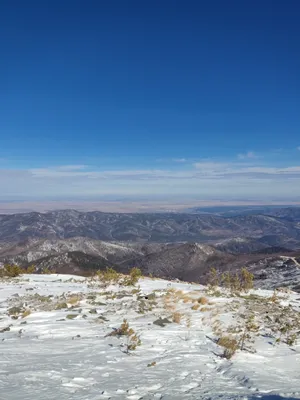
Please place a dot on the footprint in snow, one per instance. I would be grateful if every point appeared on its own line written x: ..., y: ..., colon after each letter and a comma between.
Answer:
x: 188, y: 387
x: 184, y: 374
x: 120, y: 391
x: 151, y: 388
x: 104, y: 395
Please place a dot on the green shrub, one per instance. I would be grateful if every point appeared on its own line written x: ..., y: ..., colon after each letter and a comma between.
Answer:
x: 71, y: 316
x: 10, y: 271
x: 226, y: 280
x: 29, y: 270
x: 240, y: 281
x: 213, y: 279
x: 246, y: 280
x: 46, y: 271
x: 109, y: 276
x: 132, y: 278
x: 135, y: 274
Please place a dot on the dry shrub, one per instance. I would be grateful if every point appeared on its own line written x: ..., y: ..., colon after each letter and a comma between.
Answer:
x: 123, y: 330
x: 204, y: 309
x: 274, y: 298
x: 230, y: 346
x: 188, y: 321
x: 291, y: 340
x: 61, y: 306
x: 152, y: 364
x: 202, y: 300
x: 217, y: 328
x: 133, y: 339
x: 186, y: 300
x: 74, y: 299
x: 168, y: 303
x: 195, y: 306
x: 171, y: 291
x: 135, y: 291
x: 176, y: 317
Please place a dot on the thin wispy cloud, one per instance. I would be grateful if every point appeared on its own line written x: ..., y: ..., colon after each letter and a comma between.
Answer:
x: 248, y: 155
x: 179, y: 160
x: 72, y: 167
x: 231, y: 178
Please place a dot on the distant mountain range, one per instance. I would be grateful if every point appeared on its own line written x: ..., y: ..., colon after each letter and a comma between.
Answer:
x: 183, y: 246
x: 276, y: 211
x: 170, y: 227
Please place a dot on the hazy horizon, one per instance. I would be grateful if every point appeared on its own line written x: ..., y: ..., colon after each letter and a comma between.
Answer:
x: 131, y: 206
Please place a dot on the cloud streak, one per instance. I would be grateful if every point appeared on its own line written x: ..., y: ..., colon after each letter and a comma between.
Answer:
x: 180, y: 160
x: 249, y: 155
x: 242, y: 178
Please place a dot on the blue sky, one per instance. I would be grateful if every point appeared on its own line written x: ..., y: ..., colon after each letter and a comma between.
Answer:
x: 150, y: 98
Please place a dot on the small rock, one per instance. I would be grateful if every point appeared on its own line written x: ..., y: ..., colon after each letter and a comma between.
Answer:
x: 162, y: 322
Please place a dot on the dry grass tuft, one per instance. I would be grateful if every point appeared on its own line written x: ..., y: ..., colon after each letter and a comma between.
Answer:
x: 176, y: 317
x: 152, y: 364
x: 169, y: 302
x: 195, y: 306
x: 203, y: 300
x: 74, y: 299
x: 204, y: 309
x: 26, y: 313
x: 230, y: 346
x: 133, y: 339
x: 170, y: 291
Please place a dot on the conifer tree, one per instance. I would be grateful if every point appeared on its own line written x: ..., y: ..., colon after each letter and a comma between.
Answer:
x: 226, y: 280
x: 246, y: 280
x: 213, y: 279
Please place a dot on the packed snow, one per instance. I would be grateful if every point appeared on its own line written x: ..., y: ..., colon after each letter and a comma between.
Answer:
x: 58, y: 342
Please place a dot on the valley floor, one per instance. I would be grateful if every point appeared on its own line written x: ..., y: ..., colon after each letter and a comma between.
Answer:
x: 55, y: 342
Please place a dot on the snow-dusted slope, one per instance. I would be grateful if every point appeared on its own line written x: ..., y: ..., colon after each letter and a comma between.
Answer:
x: 160, y: 227
x: 61, y: 349
x: 34, y: 249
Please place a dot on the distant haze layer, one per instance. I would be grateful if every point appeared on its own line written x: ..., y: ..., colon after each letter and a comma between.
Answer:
x: 128, y: 206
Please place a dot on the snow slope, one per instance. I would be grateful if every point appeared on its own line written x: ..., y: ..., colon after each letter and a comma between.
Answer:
x: 47, y: 355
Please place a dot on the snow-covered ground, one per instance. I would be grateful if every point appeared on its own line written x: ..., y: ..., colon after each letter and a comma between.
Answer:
x: 63, y: 350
